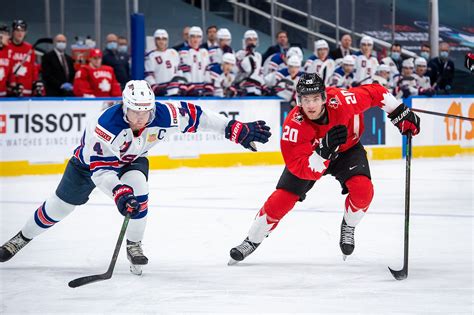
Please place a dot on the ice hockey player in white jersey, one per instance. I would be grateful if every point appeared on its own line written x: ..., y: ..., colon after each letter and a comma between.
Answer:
x: 394, y: 61
x: 112, y: 156
x: 224, y: 39
x: 283, y: 82
x: 366, y: 64
x: 424, y: 81
x: 222, y: 78
x: 343, y: 76
x: 405, y: 83
x: 278, y: 61
x: 193, y: 64
x: 161, y: 66
x: 249, y: 65
x: 320, y: 62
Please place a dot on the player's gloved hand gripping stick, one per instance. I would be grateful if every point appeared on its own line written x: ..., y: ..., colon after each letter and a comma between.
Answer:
x: 329, y: 144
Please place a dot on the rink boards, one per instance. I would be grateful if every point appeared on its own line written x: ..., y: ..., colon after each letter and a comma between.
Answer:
x: 38, y: 135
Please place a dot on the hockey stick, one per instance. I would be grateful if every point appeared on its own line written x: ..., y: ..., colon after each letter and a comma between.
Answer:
x: 108, y: 274
x: 403, y: 274
x: 441, y: 114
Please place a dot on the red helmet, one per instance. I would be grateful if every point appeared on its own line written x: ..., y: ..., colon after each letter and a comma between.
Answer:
x: 94, y: 53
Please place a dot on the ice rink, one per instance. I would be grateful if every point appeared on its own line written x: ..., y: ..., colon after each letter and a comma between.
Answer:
x: 197, y: 215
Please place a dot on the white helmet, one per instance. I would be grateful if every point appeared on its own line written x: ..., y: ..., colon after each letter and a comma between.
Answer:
x: 367, y: 40
x: 408, y: 63
x: 138, y: 96
x: 348, y: 60
x: 294, y: 51
x: 161, y: 33
x: 294, y: 61
x: 420, y: 61
x: 195, y: 31
x: 250, y: 34
x: 320, y: 44
x: 228, y: 58
x: 383, y: 67
x: 223, y: 33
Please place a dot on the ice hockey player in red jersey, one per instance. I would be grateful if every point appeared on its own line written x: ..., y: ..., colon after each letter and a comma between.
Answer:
x: 5, y: 62
x: 322, y: 136
x: 22, y: 56
x: 95, y: 79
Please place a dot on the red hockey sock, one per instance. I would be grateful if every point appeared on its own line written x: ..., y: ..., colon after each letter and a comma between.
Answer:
x: 279, y: 204
x: 361, y: 192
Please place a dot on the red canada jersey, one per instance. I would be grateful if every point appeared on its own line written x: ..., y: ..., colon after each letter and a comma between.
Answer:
x: 100, y: 82
x: 301, y: 135
x: 26, y: 72
x: 5, y: 70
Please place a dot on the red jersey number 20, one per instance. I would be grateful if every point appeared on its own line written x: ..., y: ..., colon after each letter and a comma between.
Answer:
x: 290, y: 134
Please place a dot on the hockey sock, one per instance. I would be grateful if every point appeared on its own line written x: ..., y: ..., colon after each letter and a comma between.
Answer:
x: 274, y: 209
x: 137, y: 224
x: 48, y: 214
x: 361, y: 192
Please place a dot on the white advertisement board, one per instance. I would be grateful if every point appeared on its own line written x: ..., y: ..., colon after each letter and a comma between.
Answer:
x: 47, y: 131
x: 437, y: 130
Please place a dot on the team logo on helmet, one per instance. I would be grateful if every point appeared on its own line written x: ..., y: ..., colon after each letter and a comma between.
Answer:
x: 310, y: 81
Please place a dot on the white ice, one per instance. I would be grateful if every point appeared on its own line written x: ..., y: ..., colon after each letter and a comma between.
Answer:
x: 197, y: 215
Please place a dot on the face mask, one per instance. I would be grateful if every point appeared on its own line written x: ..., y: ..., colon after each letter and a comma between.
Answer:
x: 122, y: 48
x: 444, y: 54
x: 395, y: 56
x: 425, y: 54
x: 61, y: 46
x: 112, y: 45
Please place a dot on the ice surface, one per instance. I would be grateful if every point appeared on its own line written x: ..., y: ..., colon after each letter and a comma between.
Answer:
x: 197, y: 215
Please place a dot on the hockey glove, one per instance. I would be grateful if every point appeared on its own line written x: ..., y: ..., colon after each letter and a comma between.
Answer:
x: 329, y: 144
x: 125, y: 200
x: 247, y: 133
x: 405, y: 120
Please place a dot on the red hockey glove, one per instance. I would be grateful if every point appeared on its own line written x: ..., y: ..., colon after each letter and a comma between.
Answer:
x: 247, y: 133
x: 125, y: 200
x: 329, y: 144
x: 405, y: 120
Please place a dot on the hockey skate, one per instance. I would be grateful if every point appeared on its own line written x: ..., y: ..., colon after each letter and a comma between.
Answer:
x: 241, y: 251
x: 136, y: 257
x: 347, y: 239
x: 13, y: 246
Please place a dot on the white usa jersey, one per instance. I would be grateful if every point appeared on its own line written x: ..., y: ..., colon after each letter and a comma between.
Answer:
x: 365, y: 68
x: 108, y: 143
x: 324, y: 69
x: 161, y: 66
x: 193, y: 64
x: 249, y: 65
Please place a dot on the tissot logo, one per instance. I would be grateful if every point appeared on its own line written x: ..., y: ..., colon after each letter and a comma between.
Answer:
x: 36, y: 123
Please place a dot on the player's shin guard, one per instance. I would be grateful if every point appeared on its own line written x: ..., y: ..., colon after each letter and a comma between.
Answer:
x: 48, y: 214
x: 274, y: 209
x: 361, y: 192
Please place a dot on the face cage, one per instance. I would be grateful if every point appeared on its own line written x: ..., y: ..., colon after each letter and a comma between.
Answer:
x: 298, y: 98
x: 150, y: 119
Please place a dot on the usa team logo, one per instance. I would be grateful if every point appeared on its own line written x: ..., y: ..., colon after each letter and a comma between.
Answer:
x: 3, y: 123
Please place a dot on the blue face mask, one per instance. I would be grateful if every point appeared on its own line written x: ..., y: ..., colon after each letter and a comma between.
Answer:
x: 425, y: 54
x: 61, y: 46
x: 444, y: 54
x: 395, y: 55
x: 122, y: 48
x: 112, y: 45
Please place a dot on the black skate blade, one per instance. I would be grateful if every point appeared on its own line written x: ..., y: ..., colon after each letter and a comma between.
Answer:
x: 399, y: 274
x: 87, y: 279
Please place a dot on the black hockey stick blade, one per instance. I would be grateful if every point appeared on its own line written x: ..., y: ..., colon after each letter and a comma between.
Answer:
x: 88, y: 279
x: 108, y: 274
x: 399, y: 274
